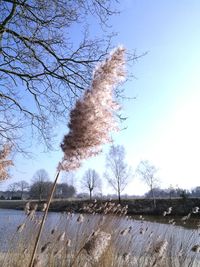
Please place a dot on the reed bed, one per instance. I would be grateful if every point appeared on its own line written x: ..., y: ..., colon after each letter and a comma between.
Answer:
x: 109, y: 239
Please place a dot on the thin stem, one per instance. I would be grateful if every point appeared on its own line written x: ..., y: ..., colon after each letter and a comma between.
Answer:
x: 75, y: 258
x: 43, y: 221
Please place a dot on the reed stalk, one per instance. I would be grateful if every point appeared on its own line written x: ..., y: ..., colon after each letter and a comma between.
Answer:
x: 43, y: 220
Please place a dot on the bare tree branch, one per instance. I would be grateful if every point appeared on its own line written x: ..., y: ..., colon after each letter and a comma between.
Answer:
x: 44, y: 63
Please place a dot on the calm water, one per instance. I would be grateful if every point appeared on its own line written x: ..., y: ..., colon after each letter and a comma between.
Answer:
x: 11, y: 219
x: 141, y: 234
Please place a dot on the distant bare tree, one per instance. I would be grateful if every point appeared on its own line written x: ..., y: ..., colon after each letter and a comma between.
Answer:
x: 118, y: 173
x: 69, y: 178
x: 147, y: 172
x: 46, y: 60
x: 171, y: 190
x: 64, y: 190
x: 41, y: 184
x: 196, y: 191
x: 40, y: 190
x: 91, y: 181
x: 22, y: 186
x: 12, y: 188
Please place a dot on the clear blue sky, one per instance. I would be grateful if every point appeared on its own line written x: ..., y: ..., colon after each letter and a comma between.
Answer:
x: 163, y: 122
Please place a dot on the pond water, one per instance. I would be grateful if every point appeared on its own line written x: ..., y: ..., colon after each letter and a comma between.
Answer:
x: 141, y: 231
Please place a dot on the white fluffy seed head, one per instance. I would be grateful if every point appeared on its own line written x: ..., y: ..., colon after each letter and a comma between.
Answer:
x: 97, y: 244
x: 93, y: 116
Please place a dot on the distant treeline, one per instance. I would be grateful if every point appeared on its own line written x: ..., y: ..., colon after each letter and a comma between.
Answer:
x: 174, y: 192
x: 38, y: 190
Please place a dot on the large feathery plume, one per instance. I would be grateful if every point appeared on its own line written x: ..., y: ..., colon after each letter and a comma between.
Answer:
x: 97, y: 245
x: 5, y: 162
x: 91, y: 121
x: 93, y: 118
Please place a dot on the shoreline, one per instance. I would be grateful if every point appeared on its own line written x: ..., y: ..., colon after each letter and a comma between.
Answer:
x: 179, y: 206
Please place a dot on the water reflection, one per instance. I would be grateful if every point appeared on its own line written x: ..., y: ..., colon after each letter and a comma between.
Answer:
x: 191, y: 223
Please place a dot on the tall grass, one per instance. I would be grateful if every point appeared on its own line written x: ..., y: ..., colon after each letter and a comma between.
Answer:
x: 109, y: 239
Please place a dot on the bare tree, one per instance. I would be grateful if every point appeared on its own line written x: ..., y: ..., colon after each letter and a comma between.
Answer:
x: 12, y: 188
x: 22, y: 186
x: 41, y: 184
x: 64, y: 190
x: 171, y: 190
x: 69, y: 178
x: 147, y: 172
x: 47, y: 56
x: 91, y: 181
x: 119, y: 172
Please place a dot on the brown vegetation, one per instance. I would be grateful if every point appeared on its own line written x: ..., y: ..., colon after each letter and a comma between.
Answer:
x: 97, y: 240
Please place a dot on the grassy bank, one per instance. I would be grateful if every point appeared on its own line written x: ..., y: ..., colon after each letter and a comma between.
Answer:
x: 135, y: 206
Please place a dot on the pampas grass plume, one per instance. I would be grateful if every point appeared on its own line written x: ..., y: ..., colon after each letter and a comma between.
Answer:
x: 93, y: 116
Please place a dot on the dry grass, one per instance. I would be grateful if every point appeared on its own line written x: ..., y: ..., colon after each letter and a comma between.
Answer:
x: 108, y: 240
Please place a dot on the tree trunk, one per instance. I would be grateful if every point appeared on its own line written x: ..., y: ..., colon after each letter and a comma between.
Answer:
x: 153, y: 197
x: 119, y: 197
x: 118, y: 189
x: 90, y: 194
